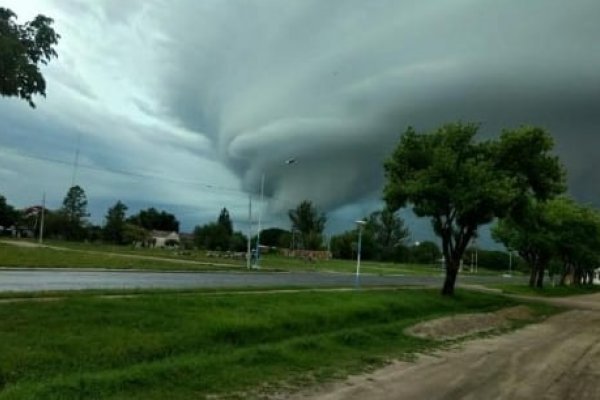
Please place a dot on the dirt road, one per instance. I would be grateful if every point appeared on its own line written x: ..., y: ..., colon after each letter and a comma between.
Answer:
x: 556, y: 359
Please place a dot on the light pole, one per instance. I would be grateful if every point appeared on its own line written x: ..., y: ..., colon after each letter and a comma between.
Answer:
x: 510, y: 260
x: 360, y: 223
x: 262, y: 193
x: 289, y: 161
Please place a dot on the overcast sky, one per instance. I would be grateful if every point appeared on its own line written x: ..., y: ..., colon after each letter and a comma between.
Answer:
x: 183, y: 104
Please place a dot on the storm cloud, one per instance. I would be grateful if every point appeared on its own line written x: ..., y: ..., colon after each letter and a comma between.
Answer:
x: 221, y: 92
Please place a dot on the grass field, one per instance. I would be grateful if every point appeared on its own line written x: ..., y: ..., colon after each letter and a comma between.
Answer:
x: 548, y: 290
x: 190, y: 346
x: 83, y: 255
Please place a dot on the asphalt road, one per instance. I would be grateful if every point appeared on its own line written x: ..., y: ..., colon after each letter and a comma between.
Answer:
x: 70, y: 279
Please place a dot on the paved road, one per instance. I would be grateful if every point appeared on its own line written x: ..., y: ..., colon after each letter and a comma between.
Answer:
x: 558, y: 359
x: 69, y: 279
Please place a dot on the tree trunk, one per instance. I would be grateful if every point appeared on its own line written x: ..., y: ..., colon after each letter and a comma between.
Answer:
x: 450, y: 280
x: 540, y: 276
x: 533, y: 275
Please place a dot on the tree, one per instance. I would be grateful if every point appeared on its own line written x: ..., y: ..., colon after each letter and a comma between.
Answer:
x: 114, y: 227
x: 577, y: 233
x: 75, y: 211
x: 343, y: 245
x: 275, y: 237
x: 212, y: 236
x: 22, y: 49
x: 532, y: 235
x: 461, y: 183
x: 387, y: 232
x: 425, y: 253
x: 8, y: 215
x: 225, y: 221
x: 309, y: 224
x: 152, y: 219
x: 219, y: 235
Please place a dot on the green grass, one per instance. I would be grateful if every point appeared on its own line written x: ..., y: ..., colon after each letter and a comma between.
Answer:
x: 182, y: 347
x: 85, y: 255
x: 43, y: 257
x: 548, y: 291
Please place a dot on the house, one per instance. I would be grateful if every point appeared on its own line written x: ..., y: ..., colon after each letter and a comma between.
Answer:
x: 596, y: 280
x: 164, y: 239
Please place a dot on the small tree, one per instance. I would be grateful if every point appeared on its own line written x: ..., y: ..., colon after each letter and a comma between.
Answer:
x: 309, y: 223
x: 75, y: 211
x: 387, y: 232
x: 114, y: 228
x: 8, y: 214
x: 225, y: 221
x: 22, y: 49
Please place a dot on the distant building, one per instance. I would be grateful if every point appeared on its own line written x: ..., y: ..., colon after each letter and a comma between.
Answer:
x: 165, y: 239
x: 596, y: 280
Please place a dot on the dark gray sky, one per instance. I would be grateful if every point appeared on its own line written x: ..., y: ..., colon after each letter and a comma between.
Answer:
x: 184, y: 104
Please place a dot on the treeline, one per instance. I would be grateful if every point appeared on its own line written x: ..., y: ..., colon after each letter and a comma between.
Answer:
x: 71, y: 221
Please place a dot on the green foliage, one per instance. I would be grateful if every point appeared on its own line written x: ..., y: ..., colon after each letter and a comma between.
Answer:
x: 558, y: 228
x: 276, y: 237
x: 212, y: 236
x: 309, y: 224
x: 152, y: 219
x: 383, y: 237
x: 387, y: 232
x: 344, y: 245
x: 74, y: 210
x: 8, y: 214
x: 461, y: 183
x: 114, y: 227
x: 425, y: 253
x: 22, y: 49
x: 219, y: 235
x: 225, y: 221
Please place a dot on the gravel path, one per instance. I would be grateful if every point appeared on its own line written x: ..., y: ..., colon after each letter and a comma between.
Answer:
x: 556, y: 359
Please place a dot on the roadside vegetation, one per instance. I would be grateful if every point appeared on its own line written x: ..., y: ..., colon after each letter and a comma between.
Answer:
x: 62, y: 254
x: 548, y: 290
x: 191, y: 346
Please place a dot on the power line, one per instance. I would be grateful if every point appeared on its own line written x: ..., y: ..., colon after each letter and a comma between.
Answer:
x: 118, y: 171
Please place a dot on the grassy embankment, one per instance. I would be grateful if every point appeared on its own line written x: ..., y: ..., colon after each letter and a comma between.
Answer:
x: 180, y: 347
x: 548, y: 290
x: 81, y: 255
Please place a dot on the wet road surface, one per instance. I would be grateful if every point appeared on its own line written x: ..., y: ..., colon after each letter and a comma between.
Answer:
x: 70, y: 279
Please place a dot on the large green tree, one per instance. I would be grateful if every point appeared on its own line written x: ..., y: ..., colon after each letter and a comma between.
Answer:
x: 462, y: 183
x: 532, y: 234
x: 152, y: 219
x: 577, y: 235
x: 22, y: 49
x: 309, y: 224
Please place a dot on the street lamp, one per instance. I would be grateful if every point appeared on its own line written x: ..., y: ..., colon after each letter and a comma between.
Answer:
x: 289, y: 161
x: 360, y: 223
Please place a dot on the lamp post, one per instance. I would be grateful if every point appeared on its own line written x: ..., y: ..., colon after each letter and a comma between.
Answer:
x: 360, y: 224
x: 289, y: 161
x: 262, y: 193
